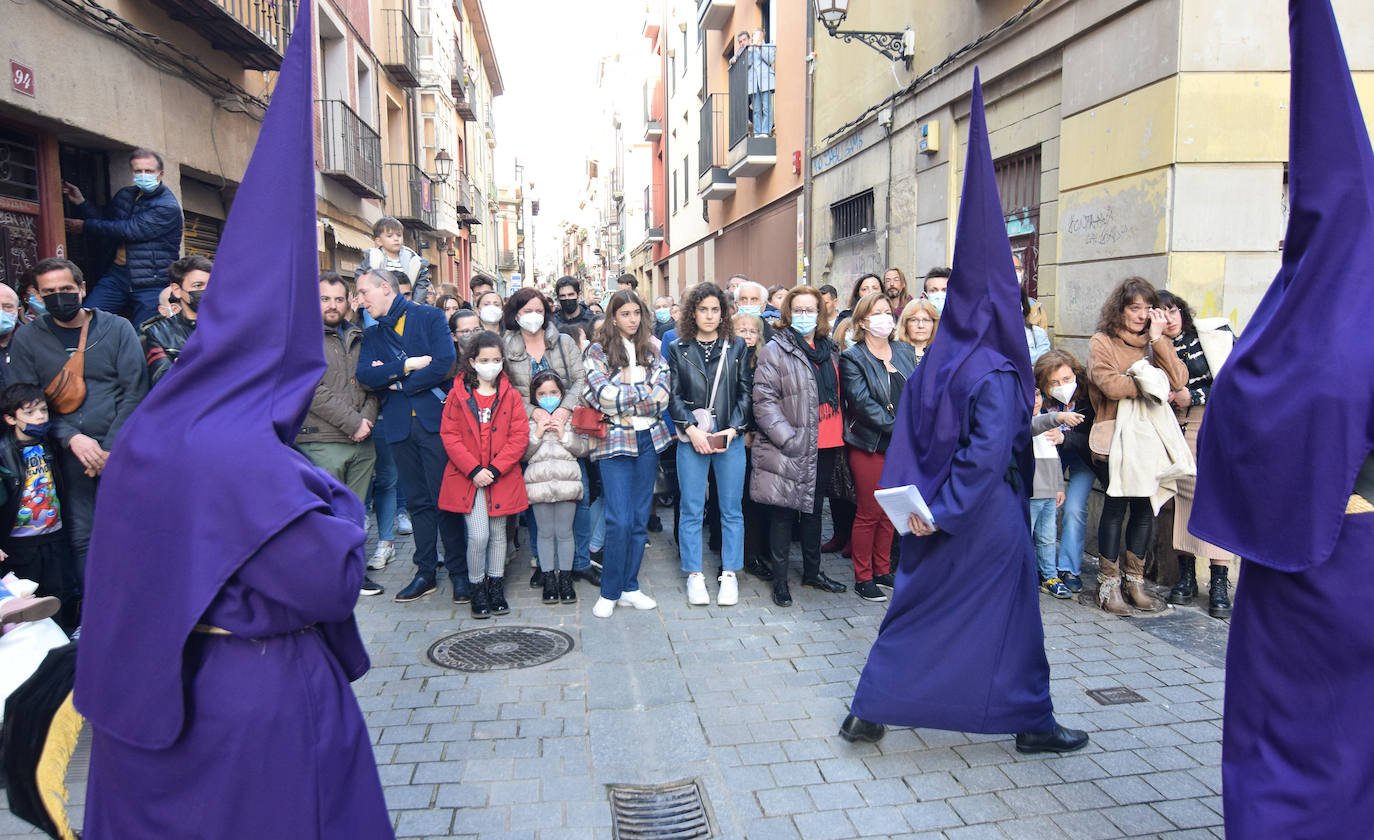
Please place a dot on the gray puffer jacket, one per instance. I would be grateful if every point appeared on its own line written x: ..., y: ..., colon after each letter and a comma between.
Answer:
x: 552, y: 473
x: 787, y: 415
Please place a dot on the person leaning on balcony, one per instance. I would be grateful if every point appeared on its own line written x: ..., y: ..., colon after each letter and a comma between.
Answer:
x: 761, y: 84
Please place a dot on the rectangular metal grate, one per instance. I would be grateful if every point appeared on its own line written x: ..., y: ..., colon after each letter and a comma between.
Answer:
x: 675, y: 811
x: 1115, y: 696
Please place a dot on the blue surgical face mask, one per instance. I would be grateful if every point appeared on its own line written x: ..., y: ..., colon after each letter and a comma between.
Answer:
x: 938, y: 300
x: 804, y: 324
x: 663, y: 315
x: 36, y: 304
x: 145, y: 181
x: 39, y: 430
x: 7, y: 323
x: 550, y: 404
x: 751, y: 310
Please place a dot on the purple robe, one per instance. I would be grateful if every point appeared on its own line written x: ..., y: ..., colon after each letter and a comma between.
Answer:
x: 962, y: 646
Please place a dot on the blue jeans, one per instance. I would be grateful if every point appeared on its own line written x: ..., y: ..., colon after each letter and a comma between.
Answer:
x: 114, y: 292
x: 582, y: 528
x: 385, y: 491
x: 1075, y: 513
x: 597, y: 514
x: 763, y: 112
x: 420, y: 463
x: 627, y: 484
x: 692, y: 470
x: 1042, y: 527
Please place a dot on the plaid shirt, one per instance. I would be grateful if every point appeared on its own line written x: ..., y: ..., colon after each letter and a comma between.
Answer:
x: 621, y: 401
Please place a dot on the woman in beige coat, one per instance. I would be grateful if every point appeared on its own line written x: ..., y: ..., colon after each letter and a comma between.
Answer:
x: 553, y: 483
x: 1130, y: 328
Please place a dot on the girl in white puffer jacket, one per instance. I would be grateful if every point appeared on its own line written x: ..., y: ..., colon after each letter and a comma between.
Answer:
x: 553, y: 482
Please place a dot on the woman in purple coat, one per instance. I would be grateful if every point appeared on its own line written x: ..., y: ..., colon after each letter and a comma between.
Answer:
x: 962, y: 647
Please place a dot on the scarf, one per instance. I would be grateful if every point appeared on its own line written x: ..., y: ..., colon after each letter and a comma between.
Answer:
x: 827, y: 381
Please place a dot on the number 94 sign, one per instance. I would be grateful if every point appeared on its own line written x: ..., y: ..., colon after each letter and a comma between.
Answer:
x: 21, y: 78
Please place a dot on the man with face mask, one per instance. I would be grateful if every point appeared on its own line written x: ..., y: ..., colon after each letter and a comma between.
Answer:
x: 663, y: 316
x: 163, y: 338
x: 114, y: 376
x: 143, y: 224
x: 9, y: 321
x: 571, y: 312
x: 937, y: 280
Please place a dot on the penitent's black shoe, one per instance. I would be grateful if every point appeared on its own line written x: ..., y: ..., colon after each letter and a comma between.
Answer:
x: 591, y: 575
x: 1057, y: 740
x: 418, y: 587
x: 856, y: 729
x: 823, y: 583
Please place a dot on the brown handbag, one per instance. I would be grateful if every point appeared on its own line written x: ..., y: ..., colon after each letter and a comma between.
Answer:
x: 588, y: 421
x: 67, y: 390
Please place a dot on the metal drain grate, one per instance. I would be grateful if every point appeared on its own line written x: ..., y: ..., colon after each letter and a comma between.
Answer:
x: 1115, y: 696
x: 675, y: 811
x: 499, y: 648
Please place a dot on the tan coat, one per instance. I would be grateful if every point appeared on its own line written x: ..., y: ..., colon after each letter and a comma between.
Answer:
x: 1109, y: 357
x: 552, y: 473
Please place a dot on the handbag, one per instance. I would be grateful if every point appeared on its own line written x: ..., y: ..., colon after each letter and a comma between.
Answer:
x: 705, y: 418
x: 1100, y: 438
x: 588, y: 421
x: 67, y: 390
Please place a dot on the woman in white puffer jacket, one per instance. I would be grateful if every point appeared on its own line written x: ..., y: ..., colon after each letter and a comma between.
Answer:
x: 553, y: 482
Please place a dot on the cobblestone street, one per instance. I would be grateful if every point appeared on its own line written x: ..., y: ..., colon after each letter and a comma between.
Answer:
x: 748, y: 700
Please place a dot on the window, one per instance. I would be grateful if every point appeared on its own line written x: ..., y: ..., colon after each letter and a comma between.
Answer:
x: 674, y: 190
x: 684, y: 52
x: 686, y: 186
x: 1018, y: 183
x: 852, y: 216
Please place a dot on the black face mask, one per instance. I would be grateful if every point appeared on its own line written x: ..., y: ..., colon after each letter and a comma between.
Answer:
x: 63, y: 305
x: 569, y: 307
x: 37, y: 431
x: 191, y: 300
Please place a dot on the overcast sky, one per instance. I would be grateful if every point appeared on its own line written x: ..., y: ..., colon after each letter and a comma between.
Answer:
x: 549, y: 51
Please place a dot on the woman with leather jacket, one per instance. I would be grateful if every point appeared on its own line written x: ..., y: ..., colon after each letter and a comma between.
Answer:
x: 872, y: 375
x: 711, y: 401
x: 797, y: 413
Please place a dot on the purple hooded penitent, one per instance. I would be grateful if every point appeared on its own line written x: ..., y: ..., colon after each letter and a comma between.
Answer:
x: 1287, y: 429
x: 962, y: 646
x: 207, y: 516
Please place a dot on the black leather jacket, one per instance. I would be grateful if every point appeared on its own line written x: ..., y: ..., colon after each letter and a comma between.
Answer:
x: 162, y: 343
x: 866, y: 390
x: 691, y: 380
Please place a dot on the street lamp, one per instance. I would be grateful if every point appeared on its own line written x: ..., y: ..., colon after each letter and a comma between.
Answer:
x: 893, y: 45
x: 443, y: 165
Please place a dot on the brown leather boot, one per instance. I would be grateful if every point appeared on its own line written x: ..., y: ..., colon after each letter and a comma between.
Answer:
x: 1109, y: 587
x: 1135, y: 584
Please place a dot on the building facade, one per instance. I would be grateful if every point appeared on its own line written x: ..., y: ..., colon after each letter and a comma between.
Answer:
x: 1130, y: 138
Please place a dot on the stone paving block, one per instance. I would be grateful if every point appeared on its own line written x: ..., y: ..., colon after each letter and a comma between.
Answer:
x: 825, y: 825
x: 777, y: 828
x: 843, y: 769
x: 461, y: 796
x: 1087, y: 825
x: 1032, y: 828
x: 980, y: 808
x: 785, y: 801
x: 795, y: 773
x: 878, y: 821
x: 982, y: 779
x: 975, y: 832
x: 408, y: 797
x: 420, y: 823
x: 1187, y: 813
x: 1137, y: 820
x: 839, y: 795
x: 884, y: 792
x: 1029, y: 802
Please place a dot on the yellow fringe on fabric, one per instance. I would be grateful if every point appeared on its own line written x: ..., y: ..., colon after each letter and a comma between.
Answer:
x: 51, y: 776
x: 1358, y: 504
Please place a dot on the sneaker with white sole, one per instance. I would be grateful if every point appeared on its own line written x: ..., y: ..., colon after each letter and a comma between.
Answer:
x: 384, y: 553
x: 638, y: 600
x: 403, y: 524
x: 603, y: 608
x: 697, y: 595
x: 728, y: 595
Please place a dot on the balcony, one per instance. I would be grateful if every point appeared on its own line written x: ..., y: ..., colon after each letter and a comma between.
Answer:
x: 653, y: 111
x: 464, y: 200
x: 458, y: 76
x: 506, y: 260
x: 491, y: 132
x: 254, y: 32
x: 753, y: 150
x: 714, y: 181
x: 479, y: 210
x: 410, y: 196
x: 714, y: 14
x: 467, y: 104
x: 400, y: 48
x: 352, y: 150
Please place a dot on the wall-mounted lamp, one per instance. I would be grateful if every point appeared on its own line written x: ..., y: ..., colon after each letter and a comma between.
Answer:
x: 894, y: 45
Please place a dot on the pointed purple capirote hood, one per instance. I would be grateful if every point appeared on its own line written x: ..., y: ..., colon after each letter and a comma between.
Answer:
x: 1289, y: 421
x: 981, y: 329
x: 204, y: 473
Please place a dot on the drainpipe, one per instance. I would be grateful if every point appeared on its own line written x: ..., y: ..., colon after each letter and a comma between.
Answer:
x: 806, y: 140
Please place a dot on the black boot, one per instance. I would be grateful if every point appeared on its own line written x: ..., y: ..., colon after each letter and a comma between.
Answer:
x: 1186, y: 589
x: 1219, y: 601
x: 566, y: 593
x: 496, y: 595
x: 481, y: 605
x: 758, y: 567
x: 782, y: 596
x: 550, y: 582
x: 857, y: 729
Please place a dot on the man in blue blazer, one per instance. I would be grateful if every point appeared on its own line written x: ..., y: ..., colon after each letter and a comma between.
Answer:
x: 406, y: 357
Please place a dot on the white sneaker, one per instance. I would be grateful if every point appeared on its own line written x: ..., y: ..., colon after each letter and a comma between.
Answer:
x: 638, y: 600
x: 728, y: 595
x: 603, y: 608
x: 383, y: 554
x: 403, y: 526
x: 697, y: 595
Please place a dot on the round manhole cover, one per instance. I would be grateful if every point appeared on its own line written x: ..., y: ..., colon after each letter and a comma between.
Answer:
x: 499, y: 648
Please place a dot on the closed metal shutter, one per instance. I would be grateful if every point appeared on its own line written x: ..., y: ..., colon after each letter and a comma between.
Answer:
x: 201, y: 234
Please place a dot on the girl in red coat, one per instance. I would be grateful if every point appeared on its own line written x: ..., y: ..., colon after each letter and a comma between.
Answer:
x: 485, y: 431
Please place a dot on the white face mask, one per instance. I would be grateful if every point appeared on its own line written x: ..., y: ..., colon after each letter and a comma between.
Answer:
x: 531, y: 322
x: 937, y: 299
x: 1064, y: 393
x: 488, y: 371
x: 490, y: 314
x: 881, y: 325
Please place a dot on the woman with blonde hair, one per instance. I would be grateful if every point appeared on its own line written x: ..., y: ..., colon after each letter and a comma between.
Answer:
x: 917, y: 326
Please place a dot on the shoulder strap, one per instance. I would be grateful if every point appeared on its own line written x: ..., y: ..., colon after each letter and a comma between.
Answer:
x: 715, y: 386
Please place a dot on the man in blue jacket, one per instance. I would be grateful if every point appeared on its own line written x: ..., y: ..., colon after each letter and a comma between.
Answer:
x: 406, y: 356
x: 145, y: 221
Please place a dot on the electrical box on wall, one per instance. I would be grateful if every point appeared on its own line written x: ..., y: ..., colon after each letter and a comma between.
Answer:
x: 930, y: 137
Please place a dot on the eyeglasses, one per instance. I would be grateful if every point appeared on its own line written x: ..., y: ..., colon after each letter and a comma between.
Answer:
x: 921, y: 322
x: 804, y: 312
x: 746, y: 331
